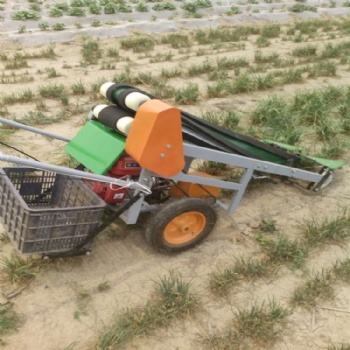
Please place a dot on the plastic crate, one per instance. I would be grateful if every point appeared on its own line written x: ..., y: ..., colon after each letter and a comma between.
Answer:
x: 46, y: 212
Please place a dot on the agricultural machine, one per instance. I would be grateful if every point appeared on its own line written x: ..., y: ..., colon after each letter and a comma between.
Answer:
x: 136, y: 155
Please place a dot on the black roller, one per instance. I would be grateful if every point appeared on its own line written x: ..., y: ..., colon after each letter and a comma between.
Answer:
x: 110, y: 115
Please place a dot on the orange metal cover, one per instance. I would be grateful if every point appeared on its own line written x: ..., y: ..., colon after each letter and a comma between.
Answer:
x: 155, y: 138
x: 193, y: 189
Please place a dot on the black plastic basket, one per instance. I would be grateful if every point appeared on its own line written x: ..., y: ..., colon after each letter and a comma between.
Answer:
x: 45, y: 212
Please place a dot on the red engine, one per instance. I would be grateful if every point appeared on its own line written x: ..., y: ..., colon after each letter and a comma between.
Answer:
x: 111, y: 194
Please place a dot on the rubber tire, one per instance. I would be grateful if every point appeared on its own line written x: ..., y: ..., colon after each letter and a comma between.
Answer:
x: 158, y: 222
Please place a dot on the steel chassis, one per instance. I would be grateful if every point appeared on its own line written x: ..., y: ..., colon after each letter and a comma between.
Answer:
x: 143, y: 186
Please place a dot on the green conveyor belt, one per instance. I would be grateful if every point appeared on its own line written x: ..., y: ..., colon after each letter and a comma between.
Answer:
x: 260, y: 153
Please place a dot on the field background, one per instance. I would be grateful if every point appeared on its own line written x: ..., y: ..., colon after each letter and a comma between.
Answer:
x: 50, y: 79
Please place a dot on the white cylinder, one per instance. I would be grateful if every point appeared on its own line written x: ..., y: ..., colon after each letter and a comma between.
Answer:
x: 104, y: 88
x: 135, y: 99
x: 97, y: 110
x: 124, y: 124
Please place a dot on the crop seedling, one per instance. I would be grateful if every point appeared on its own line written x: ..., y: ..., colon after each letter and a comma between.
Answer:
x: 261, y: 324
x: 187, y: 95
x: 59, y: 26
x: 341, y: 346
x: 91, y: 52
x: 16, y: 63
x: 55, y: 12
x: 138, y: 44
x: 301, y: 8
x: 305, y: 51
x: 271, y: 31
x: 284, y: 251
x: 234, y: 10
x: 217, y: 75
x: 52, y: 91
x: 329, y: 230
x: 262, y: 41
x: 103, y: 286
x: 16, y: 269
x: 76, y: 11
x: 25, y: 15
x: 172, y: 298
x: 176, y: 40
x: 141, y: 7
x: 170, y: 73
x: 316, y: 288
x: 94, y: 9
x: 242, y: 269
x: 244, y: 83
x: 83, y: 299
x: 322, y: 69
x: 8, y: 318
x: 52, y: 73
x: 229, y: 339
x: 44, y: 26
x: 268, y: 226
x: 198, y: 69
x: 162, y: 6
x: 78, y: 88
x: 341, y: 270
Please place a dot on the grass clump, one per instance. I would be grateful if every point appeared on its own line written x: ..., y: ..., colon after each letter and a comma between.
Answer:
x: 172, y: 298
x: 16, y: 269
x: 318, y: 287
x: 328, y: 230
x: 284, y: 251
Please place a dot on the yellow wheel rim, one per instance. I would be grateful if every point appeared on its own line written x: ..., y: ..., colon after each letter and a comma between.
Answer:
x: 184, y: 228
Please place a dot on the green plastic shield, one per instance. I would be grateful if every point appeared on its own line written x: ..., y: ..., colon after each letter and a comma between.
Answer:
x: 96, y: 147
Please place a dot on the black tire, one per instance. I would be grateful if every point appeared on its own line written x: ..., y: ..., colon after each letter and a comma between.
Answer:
x: 196, y: 208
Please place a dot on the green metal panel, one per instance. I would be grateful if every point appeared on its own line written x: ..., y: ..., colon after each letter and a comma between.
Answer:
x: 96, y: 147
x: 329, y: 163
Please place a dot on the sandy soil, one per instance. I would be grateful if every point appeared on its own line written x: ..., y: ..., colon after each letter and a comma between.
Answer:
x: 47, y: 305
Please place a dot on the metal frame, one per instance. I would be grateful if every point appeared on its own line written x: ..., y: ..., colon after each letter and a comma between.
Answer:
x: 194, y: 152
x: 191, y: 152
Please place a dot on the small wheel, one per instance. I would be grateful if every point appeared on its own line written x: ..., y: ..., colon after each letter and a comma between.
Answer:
x: 180, y: 225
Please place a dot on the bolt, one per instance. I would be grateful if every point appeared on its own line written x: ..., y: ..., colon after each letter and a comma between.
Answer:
x: 168, y: 146
x: 162, y: 155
